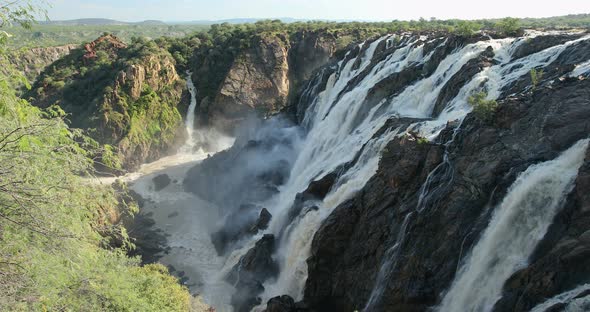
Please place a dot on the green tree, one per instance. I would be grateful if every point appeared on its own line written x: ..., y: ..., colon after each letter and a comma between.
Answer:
x: 509, y: 26
x: 55, y: 222
x: 467, y: 28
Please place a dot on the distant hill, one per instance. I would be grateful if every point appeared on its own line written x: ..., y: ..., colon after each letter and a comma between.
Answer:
x: 235, y: 21
x: 100, y: 21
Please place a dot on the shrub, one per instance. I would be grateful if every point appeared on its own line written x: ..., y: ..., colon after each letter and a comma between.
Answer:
x: 536, y: 77
x: 467, y: 28
x: 482, y: 108
x: 509, y: 26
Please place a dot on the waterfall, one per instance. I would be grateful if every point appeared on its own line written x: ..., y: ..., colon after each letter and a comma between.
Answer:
x: 336, y: 137
x: 391, y: 256
x: 518, y: 224
x: 581, y: 69
x: 190, y: 143
x: 341, y: 135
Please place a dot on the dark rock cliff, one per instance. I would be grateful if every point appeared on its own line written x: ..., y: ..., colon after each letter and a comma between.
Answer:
x: 268, y: 76
x: 411, y: 226
x: 484, y: 160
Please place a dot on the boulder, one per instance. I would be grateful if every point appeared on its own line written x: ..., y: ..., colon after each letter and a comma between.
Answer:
x: 161, y: 181
x: 255, y: 267
x: 281, y: 304
x: 247, y: 221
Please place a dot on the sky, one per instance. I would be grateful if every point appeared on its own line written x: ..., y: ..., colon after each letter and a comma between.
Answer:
x: 374, y: 10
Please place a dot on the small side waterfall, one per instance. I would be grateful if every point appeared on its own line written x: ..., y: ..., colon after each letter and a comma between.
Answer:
x: 518, y: 224
x: 190, y: 143
x: 391, y: 256
x: 570, y: 298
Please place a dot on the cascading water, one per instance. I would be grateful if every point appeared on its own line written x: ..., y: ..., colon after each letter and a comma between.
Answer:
x: 189, y: 146
x: 336, y: 137
x: 571, y: 300
x: 342, y: 136
x: 581, y: 69
x: 332, y: 141
x: 517, y: 225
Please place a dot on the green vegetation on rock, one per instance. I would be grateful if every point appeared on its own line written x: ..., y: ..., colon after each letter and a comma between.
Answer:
x: 122, y: 95
x: 482, y: 108
x: 62, y: 245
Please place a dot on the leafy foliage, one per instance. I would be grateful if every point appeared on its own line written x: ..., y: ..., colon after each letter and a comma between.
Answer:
x: 57, y: 35
x: 55, y: 222
x: 96, y: 98
x: 509, y: 26
x: 536, y: 77
x: 482, y: 108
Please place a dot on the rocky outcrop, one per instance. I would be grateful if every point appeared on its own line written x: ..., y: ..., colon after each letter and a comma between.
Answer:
x: 268, y: 76
x: 124, y: 97
x: 239, y: 225
x: 256, y: 82
x: 349, y: 249
x: 214, y: 179
x: 161, y: 181
x: 463, y: 76
x: 539, y: 43
x: 32, y: 62
x: 255, y: 267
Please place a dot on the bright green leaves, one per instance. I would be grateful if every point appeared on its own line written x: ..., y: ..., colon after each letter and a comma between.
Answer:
x: 482, y: 108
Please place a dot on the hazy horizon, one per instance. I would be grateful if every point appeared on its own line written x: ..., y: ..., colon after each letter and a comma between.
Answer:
x: 369, y: 10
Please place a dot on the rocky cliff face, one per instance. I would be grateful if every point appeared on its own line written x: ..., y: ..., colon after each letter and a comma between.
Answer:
x: 396, y: 182
x: 123, y: 96
x: 267, y: 77
x: 32, y: 62
x: 256, y: 82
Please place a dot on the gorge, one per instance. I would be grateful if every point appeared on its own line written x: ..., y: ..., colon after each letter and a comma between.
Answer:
x: 347, y: 170
x: 386, y: 194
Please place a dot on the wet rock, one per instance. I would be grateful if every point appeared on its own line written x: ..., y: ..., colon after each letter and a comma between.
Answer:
x: 161, y: 181
x: 462, y: 77
x: 281, y: 304
x: 150, y: 241
x: 262, y: 221
x: 268, y: 150
x: 235, y: 226
x: 558, y: 307
x: 320, y: 188
x: 484, y: 160
x: 172, y: 215
x: 539, y: 43
x: 247, y: 221
x: 255, y: 267
x: 572, y: 55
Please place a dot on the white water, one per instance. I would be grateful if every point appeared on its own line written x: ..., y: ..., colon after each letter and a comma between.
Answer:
x: 186, y: 220
x: 572, y: 305
x: 518, y: 224
x: 335, y: 137
x: 190, y: 116
x: 581, y: 69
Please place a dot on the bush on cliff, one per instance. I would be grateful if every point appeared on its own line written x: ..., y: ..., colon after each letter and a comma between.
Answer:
x: 482, y: 108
